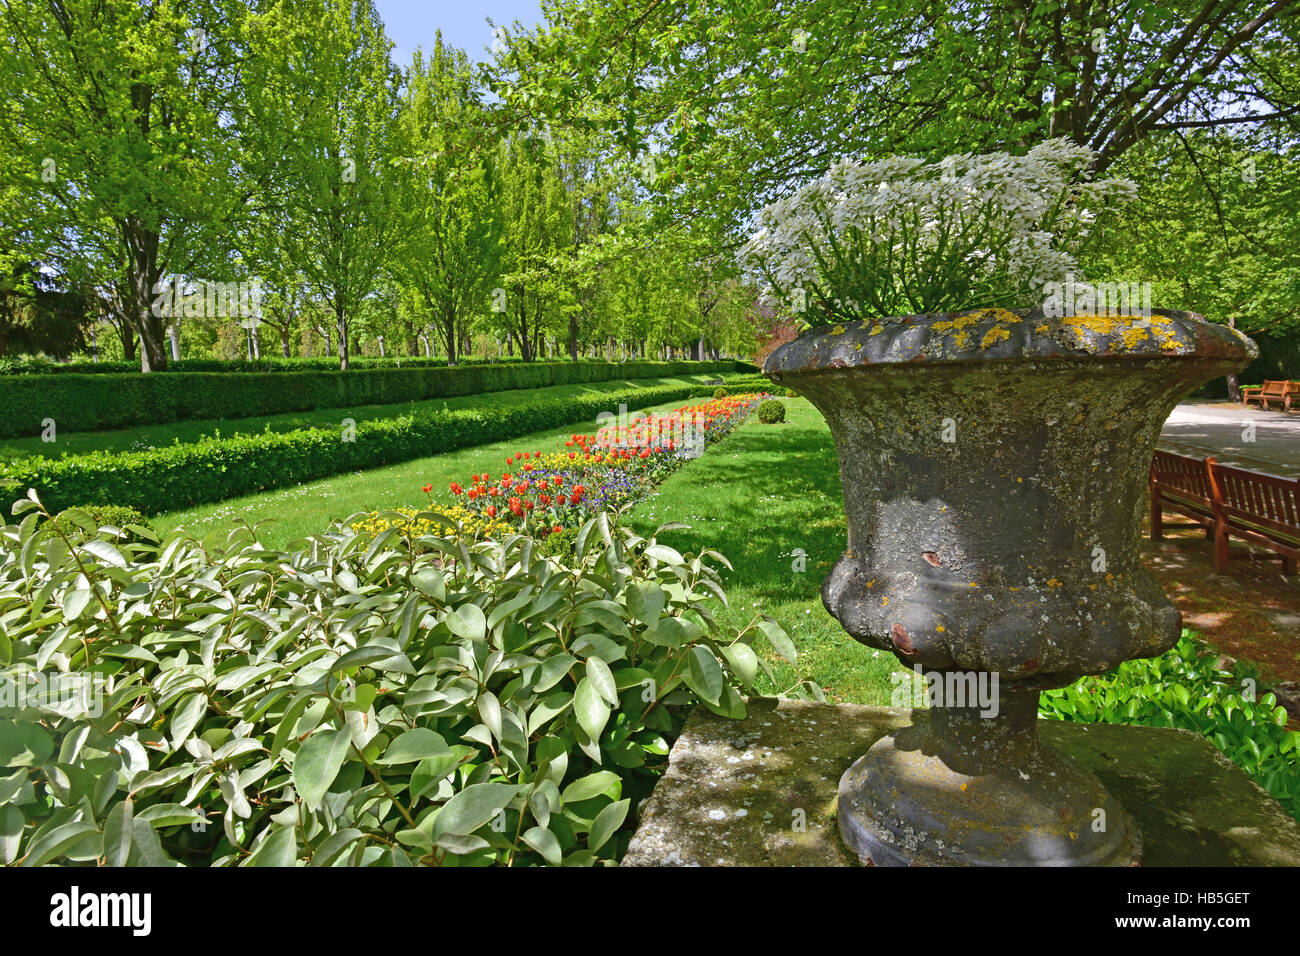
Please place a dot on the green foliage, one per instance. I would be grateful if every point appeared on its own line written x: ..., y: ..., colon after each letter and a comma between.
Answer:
x: 353, y: 703
x: 720, y: 392
x: 771, y: 412
x: 1215, y: 231
x: 124, y: 160
x: 216, y: 468
x: 95, y: 402
x: 1185, y: 688
x: 993, y: 75
x: 110, y: 521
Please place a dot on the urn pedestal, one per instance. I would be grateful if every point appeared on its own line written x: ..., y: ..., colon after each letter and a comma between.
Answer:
x: 994, y: 466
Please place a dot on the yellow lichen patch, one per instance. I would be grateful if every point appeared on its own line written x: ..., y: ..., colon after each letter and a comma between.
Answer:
x: 1133, y: 330
x: 1160, y: 326
x: 940, y: 628
x: 953, y: 325
x: 1043, y: 329
x: 1135, y: 335
x: 993, y: 336
x: 998, y: 315
x: 1053, y: 583
x: 838, y: 330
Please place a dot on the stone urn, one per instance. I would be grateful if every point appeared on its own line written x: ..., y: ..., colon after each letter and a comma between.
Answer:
x: 994, y: 466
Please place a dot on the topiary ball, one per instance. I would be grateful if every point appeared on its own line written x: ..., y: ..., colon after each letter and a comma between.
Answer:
x: 791, y: 393
x: 771, y: 412
x: 719, y: 392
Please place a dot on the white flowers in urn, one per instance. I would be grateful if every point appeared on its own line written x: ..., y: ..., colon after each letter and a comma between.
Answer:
x: 902, y: 236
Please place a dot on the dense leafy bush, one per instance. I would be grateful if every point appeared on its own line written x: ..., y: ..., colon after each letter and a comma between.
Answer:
x: 771, y: 411
x: 112, y: 521
x: 27, y: 365
x: 216, y: 468
x: 78, y: 402
x: 1185, y: 688
x: 719, y: 392
x: 353, y: 703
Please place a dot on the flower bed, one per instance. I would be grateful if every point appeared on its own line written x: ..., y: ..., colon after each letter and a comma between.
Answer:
x: 553, y: 493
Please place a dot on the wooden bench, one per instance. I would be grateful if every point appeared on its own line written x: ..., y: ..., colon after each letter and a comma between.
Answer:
x: 1281, y: 392
x: 1180, y: 484
x: 1228, y: 503
x: 1263, y: 509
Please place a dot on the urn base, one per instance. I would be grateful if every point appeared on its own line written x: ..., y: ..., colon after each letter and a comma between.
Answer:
x: 902, y: 804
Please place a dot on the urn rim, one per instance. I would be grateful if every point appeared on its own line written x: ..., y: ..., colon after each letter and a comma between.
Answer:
x: 996, y: 336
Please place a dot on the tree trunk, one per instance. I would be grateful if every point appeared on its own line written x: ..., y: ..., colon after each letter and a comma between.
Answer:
x: 142, y: 252
x: 1234, y: 383
x: 341, y: 319
x: 284, y: 340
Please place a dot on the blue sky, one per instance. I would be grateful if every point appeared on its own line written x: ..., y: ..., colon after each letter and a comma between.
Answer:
x: 411, y: 23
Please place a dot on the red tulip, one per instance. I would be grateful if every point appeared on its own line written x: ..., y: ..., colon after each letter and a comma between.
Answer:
x: 491, y: 511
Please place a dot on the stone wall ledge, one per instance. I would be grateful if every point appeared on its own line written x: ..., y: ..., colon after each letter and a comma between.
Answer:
x: 762, y: 791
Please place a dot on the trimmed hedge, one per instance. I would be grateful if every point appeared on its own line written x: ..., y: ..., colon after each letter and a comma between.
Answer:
x: 214, y: 469
x: 273, y: 363
x: 79, y: 402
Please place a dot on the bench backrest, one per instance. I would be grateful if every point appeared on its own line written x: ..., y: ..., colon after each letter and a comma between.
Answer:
x: 1266, y: 501
x: 1185, y: 476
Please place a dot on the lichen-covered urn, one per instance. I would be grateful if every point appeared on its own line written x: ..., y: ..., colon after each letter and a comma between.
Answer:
x: 994, y: 466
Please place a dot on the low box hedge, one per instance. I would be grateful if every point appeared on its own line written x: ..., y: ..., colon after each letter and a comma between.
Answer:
x: 24, y: 365
x: 214, y: 469
x: 91, y: 402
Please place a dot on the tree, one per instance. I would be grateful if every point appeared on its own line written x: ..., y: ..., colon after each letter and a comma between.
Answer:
x: 321, y: 114
x: 37, y: 316
x: 114, y: 113
x: 747, y: 98
x: 535, y: 210
x: 1214, y: 229
x: 451, y: 248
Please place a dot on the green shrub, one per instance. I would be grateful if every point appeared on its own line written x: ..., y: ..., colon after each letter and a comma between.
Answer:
x: 111, y: 521
x: 771, y: 412
x: 1185, y: 688
x: 28, y: 365
x: 719, y: 392
x: 216, y: 468
x: 791, y: 393
x: 81, y: 402
x: 352, y: 703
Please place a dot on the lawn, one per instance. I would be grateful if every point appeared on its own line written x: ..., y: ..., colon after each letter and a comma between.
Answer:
x: 147, y: 436
x: 294, y: 513
x: 758, y: 497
